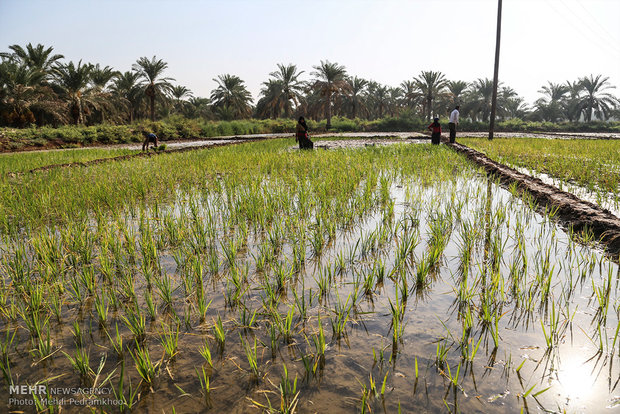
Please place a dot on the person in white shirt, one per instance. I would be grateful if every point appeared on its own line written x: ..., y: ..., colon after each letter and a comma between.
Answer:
x: 453, y: 122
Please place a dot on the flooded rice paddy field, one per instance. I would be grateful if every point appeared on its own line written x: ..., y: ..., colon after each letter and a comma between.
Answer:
x: 587, y: 168
x: 354, y: 280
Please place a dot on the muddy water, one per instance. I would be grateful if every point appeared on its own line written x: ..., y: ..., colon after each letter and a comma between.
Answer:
x: 581, y: 378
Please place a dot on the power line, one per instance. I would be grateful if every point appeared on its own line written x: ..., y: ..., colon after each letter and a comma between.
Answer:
x: 611, y: 46
x: 610, y: 37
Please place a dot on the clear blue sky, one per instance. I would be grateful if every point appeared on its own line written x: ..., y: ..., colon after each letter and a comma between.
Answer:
x: 385, y: 40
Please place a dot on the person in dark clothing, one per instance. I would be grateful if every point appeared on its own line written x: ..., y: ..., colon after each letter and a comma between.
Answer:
x: 435, y: 128
x: 301, y: 135
x: 148, y: 138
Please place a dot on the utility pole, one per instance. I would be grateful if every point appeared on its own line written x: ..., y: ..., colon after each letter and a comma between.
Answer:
x: 495, y: 72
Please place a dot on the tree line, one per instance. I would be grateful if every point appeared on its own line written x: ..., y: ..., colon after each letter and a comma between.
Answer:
x: 38, y: 87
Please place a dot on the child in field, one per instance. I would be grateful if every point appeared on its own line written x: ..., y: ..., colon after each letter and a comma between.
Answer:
x: 435, y: 128
x: 148, y: 138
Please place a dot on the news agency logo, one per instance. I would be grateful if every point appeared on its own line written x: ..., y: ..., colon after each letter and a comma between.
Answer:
x: 39, y: 389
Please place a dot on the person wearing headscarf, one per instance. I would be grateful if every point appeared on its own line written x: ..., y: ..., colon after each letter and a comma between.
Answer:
x: 435, y: 128
x: 301, y: 134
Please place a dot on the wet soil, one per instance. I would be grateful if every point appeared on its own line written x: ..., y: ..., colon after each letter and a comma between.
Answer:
x: 579, y: 214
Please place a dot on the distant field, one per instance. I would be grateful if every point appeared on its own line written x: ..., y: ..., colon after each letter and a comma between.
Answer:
x: 594, y: 164
x: 25, y: 161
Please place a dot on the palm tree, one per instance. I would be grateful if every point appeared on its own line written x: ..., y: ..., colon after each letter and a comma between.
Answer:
x: 100, y: 79
x: 22, y: 95
x: 273, y: 99
x: 572, y: 103
x: 291, y: 87
x: 355, y: 99
x: 199, y: 108
x: 34, y: 57
x: 432, y: 86
x: 380, y: 98
x: 411, y: 96
x: 479, y: 99
x: 154, y: 85
x: 231, y: 94
x: 395, y: 96
x: 595, y: 100
x: 180, y: 95
x: 455, y: 91
x: 330, y: 79
x: 126, y: 87
x: 72, y: 82
x: 515, y: 108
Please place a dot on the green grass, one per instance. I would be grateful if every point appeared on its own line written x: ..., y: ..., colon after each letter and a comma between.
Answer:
x: 26, y: 161
x: 589, y: 163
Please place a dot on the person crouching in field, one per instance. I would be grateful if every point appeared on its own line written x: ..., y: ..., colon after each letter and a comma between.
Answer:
x: 148, y: 138
x: 301, y: 134
x: 435, y: 128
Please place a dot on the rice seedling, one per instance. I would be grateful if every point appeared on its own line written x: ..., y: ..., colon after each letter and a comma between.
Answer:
x: 220, y: 333
x: 341, y: 313
x: 102, y: 309
x: 250, y: 353
x: 169, y: 339
x: 80, y: 362
x: 247, y: 320
x: 288, y: 392
x: 136, y: 323
x: 205, y: 385
x: 145, y: 367
x: 205, y: 351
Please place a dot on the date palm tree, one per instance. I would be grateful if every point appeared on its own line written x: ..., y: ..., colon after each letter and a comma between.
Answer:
x: 380, y: 98
x: 199, y: 108
x: 572, y: 103
x: 100, y: 78
x: 549, y: 106
x: 355, y: 97
x: 272, y: 99
x: 410, y: 94
x: 126, y: 87
x: 34, y: 57
x: 330, y: 79
x: 231, y: 98
x: 181, y: 95
x: 154, y: 85
x: 456, y: 89
x: 72, y: 83
x: 596, y: 100
x: 432, y: 86
x: 22, y: 95
x: 478, y: 99
x: 290, y: 85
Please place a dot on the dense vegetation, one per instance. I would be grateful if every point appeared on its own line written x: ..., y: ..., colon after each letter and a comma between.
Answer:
x: 39, y: 88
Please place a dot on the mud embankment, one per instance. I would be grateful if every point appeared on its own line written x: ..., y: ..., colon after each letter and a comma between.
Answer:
x: 578, y: 214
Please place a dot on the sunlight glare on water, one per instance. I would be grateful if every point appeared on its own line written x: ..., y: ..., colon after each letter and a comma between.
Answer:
x: 576, y: 379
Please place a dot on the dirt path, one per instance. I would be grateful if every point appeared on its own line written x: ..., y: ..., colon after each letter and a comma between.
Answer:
x: 572, y: 210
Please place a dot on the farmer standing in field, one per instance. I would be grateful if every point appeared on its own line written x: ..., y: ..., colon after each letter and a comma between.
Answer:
x: 148, y: 138
x: 453, y: 122
x: 435, y: 128
x: 301, y: 134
